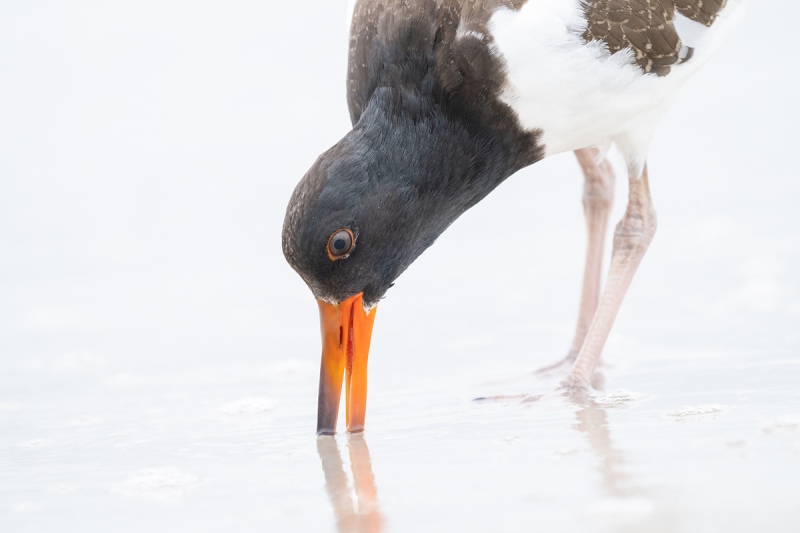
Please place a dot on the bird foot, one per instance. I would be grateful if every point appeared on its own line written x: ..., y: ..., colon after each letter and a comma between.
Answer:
x: 565, y: 365
x: 577, y: 388
x: 522, y: 398
x: 559, y: 367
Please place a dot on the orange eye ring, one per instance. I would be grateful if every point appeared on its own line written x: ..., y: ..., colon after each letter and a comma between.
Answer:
x: 341, y: 244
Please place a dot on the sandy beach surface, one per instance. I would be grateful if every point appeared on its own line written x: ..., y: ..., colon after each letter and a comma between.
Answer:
x: 159, y: 359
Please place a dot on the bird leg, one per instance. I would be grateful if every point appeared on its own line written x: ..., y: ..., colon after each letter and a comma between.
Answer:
x: 631, y: 240
x: 598, y: 197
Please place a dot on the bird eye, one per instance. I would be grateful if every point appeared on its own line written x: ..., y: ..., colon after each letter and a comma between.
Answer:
x: 341, y: 244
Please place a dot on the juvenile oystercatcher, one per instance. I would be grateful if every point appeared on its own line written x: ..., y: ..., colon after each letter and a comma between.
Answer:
x: 448, y: 98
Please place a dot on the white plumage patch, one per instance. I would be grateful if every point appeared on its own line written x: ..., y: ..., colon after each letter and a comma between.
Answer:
x: 576, y: 93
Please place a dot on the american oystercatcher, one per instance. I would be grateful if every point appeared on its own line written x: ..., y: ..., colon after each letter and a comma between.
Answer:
x: 448, y: 98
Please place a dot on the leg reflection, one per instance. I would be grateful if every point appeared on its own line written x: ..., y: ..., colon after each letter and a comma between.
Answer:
x: 363, y: 517
x: 592, y: 420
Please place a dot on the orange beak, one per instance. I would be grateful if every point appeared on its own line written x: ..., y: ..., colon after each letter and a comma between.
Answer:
x: 346, y: 333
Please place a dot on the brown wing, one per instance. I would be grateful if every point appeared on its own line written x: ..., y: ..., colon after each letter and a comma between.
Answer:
x: 702, y: 11
x: 647, y: 28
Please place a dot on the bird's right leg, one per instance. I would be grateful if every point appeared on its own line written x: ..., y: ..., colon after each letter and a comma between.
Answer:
x: 631, y: 240
x: 598, y: 197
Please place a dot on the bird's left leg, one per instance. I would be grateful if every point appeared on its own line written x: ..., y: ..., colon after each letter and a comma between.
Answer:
x: 598, y: 197
x: 631, y: 240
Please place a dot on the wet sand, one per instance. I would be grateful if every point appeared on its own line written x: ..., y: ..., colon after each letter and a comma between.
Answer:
x: 711, y: 443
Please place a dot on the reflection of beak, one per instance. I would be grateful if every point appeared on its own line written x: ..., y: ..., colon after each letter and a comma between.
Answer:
x: 366, y: 517
x: 346, y: 332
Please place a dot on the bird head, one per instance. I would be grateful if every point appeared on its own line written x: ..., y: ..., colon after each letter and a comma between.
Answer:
x: 350, y: 231
x: 368, y: 207
x: 355, y: 222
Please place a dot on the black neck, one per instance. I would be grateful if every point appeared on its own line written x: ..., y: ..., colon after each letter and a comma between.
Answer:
x: 431, y: 138
x: 446, y: 153
x: 422, y: 164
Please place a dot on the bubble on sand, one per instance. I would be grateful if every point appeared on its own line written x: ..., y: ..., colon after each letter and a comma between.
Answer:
x: 77, y: 360
x: 35, y: 443
x: 619, y: 398
x: 696, y: 412
x: 125, y: 381
x: 782, y: 424
x: 62, y: 488
x: 248, y: 406
x: 84, y: 421
x: 622, y: 509
x: 736, y: 443
x: 25, y: 507
x: 165, y: 484
x: 10, y: 407
x: 159, y: 478
x: 566, y: 452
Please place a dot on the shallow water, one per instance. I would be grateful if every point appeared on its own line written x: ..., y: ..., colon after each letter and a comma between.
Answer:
x: 159, y: 360
x: 700, y: 444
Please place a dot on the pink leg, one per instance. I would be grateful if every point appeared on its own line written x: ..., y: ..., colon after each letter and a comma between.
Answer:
x: 631, y: 240
x: 598, y: 197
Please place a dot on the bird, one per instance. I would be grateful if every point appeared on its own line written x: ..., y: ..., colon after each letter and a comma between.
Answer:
x: 449, y: 98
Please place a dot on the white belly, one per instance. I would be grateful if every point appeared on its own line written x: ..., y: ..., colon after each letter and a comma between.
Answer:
x: 577, y: 94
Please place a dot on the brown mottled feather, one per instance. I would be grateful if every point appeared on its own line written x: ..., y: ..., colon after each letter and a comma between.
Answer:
x: 646, y: 27
x: 702, y: 11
